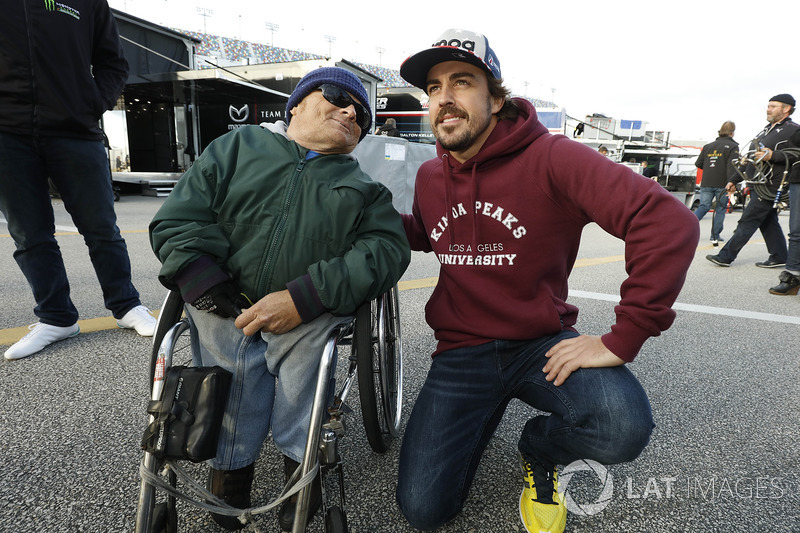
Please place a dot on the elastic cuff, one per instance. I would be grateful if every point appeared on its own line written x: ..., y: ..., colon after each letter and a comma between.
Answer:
x: 625, y: 340
x: 306, y: 298
x: 199, y: 276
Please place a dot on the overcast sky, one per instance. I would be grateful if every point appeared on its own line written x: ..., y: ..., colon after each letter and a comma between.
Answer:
x: 681, y: 66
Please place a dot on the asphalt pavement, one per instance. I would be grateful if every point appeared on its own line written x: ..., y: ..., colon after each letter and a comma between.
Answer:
x: 723, y: 384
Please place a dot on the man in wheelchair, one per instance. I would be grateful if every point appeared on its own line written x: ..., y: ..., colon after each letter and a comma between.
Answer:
x: 273, y: 236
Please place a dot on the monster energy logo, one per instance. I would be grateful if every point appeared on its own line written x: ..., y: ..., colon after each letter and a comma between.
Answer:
x: 52, y: 5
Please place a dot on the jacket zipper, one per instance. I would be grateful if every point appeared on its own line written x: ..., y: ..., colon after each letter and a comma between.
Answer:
x: 277, y: 235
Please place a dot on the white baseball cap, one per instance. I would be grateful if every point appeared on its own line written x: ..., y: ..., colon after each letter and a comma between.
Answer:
x: 452, y: 45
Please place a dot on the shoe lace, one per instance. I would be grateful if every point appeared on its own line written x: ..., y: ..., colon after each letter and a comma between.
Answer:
x: 544, y: 477
x: 33, y: 328
x: 142, y: 312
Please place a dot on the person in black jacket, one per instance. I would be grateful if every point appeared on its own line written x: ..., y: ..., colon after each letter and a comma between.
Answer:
x: 62, y: 66
x: 790, y: 277
x: 760, y: 214
x: 389, y: 128
x: 716, y: 161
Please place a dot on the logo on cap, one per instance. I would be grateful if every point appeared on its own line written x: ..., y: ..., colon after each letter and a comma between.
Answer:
x: 457, y: 43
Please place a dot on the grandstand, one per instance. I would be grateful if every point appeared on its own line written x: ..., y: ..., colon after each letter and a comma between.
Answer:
x: 226, y: 51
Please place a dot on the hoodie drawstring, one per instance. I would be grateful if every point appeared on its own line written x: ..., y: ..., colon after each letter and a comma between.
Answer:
x: 448, y: 196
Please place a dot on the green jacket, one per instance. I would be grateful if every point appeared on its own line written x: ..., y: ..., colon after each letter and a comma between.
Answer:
x: 271, y: 219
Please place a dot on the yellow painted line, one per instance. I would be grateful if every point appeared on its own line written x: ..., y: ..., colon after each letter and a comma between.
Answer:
x: 417, y: 283
x: 89, y: 325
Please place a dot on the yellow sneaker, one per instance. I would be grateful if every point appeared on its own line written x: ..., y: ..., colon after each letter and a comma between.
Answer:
x: 541, y: 506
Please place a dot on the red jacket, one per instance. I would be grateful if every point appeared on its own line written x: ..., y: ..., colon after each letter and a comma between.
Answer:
x: 506, y: 226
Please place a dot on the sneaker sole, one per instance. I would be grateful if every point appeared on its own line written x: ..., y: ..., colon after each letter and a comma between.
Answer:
x: 559, y: 528
x: 790, y: 292
x: 145, y: 334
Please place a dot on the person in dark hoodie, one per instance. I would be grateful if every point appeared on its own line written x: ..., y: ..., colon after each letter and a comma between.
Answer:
x: 503, y: 206
x: 62, y: 66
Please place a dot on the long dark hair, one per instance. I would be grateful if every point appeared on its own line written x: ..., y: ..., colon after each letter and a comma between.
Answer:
x: 509, y: 111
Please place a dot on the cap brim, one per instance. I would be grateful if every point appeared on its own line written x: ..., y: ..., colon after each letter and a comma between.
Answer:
x: 415, y: 69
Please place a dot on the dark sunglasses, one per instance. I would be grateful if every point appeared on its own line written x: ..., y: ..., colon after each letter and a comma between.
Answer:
x: 339, y: 97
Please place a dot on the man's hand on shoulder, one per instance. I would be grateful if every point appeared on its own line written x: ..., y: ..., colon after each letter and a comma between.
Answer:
x: 585, y: 351
x: 274, y: 313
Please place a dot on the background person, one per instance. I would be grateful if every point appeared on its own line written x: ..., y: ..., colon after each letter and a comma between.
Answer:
x: 716, y: 161
x: 503, y: 206
x: 62, y: 68
x: 790, y: 277
x: 389, y: 128
x: 282, y: 216
x: 759, y: 214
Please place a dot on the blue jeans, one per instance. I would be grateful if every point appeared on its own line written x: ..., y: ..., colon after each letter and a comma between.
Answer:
x: 707, y: 195
x: 601, y: 414
x: 274, y: 380
x: 793, y: 259
x: 79, y: 169
x: 757, y: 215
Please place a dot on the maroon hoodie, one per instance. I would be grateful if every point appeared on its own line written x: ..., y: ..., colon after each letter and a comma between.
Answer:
x: 506, y: 226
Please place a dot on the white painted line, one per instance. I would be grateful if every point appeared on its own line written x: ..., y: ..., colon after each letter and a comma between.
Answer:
x: 71, y: 229
x: 706, y: 309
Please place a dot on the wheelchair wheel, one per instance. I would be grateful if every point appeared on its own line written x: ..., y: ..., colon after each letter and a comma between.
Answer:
x: 171, y: 312
x: 335, y: 520
x: 153, y: 516
x: 377, y: 344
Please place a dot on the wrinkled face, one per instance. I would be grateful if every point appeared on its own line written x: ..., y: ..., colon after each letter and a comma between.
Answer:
x: 323, y: 127
x: 461, y: 109
x: 777, y: 111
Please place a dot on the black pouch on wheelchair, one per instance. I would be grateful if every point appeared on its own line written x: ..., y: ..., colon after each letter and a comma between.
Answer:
x: 188, y: 417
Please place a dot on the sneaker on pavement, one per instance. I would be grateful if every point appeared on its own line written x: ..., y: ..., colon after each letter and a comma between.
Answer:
x: 717, y: 261
x: 769, y: 263
x: 140, y: 319
x: 541, y: 506
x: 41, y: 335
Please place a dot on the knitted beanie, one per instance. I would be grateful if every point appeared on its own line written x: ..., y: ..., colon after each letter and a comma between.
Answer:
x: 339, y: 77
x: 783, y: 98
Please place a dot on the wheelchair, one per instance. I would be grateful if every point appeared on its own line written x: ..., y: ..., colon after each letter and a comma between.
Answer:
x: 375, y: 362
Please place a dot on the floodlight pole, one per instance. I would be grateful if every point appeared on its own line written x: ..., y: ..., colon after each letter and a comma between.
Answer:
x: 272, y: 27
x: 205, y: 13
x: 330, y: 39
